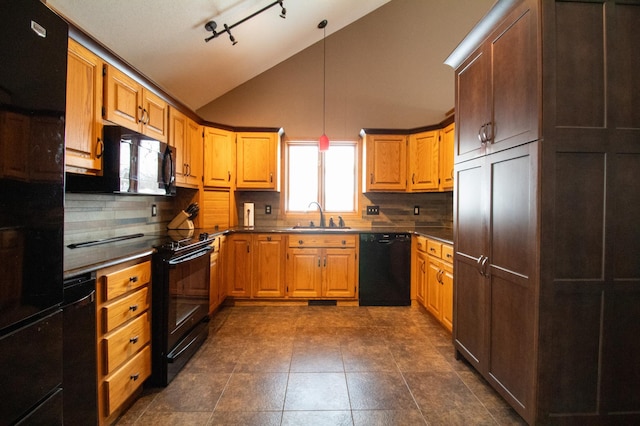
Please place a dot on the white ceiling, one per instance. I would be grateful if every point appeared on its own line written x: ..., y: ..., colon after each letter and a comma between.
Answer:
x: 164, y: 39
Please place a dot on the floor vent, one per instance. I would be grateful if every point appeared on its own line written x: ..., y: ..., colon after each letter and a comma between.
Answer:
x: 323, y: 302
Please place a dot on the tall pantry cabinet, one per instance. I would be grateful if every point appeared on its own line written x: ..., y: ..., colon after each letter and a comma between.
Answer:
x: 546, y: 201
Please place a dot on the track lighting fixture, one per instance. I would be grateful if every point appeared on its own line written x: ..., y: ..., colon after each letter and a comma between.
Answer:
x: 211, y: 25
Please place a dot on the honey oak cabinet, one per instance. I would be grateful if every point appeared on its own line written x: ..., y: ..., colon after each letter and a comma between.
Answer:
x: 123, y: 309
x: 423, y: 161
x: 130, y: 104
x: 385, y: 162
x: 445, y: 155
x: 268, y: 265
x: 439, y: 282
x: 419, y: 268
x: 322, y: 266
x: 83, y: 122
x: 219, y: 157
x: 187, y: 137
x: 216, y: 294
x: 238, y: 259
x: 258, y: 160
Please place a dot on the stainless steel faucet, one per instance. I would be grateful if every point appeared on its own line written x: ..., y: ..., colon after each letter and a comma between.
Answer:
x: 322, y: 223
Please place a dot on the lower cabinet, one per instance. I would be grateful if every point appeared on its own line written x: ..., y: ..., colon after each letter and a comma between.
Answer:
x: 322, y: 266
x: 239, y: 265
x: 433, y: 279
x: 217, y: 290
x: 268, y: 265
x: 123, y: 294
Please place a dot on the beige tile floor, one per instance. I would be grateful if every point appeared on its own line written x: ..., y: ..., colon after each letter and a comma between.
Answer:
x: 324, y: 365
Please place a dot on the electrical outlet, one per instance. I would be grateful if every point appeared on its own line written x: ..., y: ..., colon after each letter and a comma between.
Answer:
x: 267, y: 209
x: 373, y: 210
x: 416, y: 210
x: 154, y: 210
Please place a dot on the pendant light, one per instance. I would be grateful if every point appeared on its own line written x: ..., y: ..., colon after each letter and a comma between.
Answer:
x: 323, y: 142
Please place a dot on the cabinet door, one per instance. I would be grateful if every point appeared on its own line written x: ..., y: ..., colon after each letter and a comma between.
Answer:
x: 303, y: 272
x: 123, y: 99
x: 421, y: 277
x: 218, y: 157
x: 386, y: 162
x: 178, y: 139
x: 339, y: 273
x: 447, y: 143
x: 83, y: 125
x: 195, y: 144
x: 423, y: 161
x: 154, y: 119
x: 514, y: 80
x: 223, y: 289
x: 268, y: 265
x: 473, y: 104
x: 257, y: 160
x: 239, y: 265
x: 434, y: 287
x: 446, y: 278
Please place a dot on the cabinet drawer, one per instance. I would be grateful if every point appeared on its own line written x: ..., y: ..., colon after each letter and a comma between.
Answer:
x: 122, y: 310
x: 434, y: 248
x: 421, y: 244
x: 127, y: 379
x: 447, y: 253
x: 126, y: 341
x: 120, y: 282
x: 321, y: 240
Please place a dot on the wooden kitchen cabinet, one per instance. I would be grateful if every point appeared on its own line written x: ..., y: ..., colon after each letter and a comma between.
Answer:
x: 439, y: 282
x: 385, y: 162
x: 322, y: 266
x: 445, y: 155
x: 215, y: 278
x: 123, y: 310
x: 239, y: 258
x: 419, y: 270
x: 268, y: 265
x: 131, y: 105
x: 83, y: 121
x: 219, y: 158
x: 498, y: 89
x: 258, y: 160
x: 423, y: 161
x: 186, y: 136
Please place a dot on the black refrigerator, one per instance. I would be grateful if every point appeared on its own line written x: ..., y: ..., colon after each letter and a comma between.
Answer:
x: 33, y: 67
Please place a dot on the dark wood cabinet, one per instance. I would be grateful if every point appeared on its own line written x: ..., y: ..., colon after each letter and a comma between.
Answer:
x: 547, y: 282
x: 497, y: 88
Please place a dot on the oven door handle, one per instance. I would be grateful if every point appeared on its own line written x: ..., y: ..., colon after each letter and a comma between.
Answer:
x: 190, y: 256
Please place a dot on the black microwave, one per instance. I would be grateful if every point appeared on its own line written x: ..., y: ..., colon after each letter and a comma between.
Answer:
x: 132, y: 164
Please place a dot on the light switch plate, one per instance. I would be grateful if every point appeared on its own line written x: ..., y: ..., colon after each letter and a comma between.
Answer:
x: 416, y: 210
x: 267, y: 209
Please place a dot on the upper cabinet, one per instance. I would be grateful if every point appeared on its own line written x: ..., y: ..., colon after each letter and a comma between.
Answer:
x: 423, y: 161
x: 497, y: 90
x: 83, y: 128
x: 445, y: 157
x: 419, y: 160
x: 131, y: 105
x: 219, y: 157
x: 186, y: 136
x: 258, y: 160
x: 385, y: 162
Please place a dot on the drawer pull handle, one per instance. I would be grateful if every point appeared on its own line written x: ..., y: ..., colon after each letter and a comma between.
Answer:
x: 300, y: 242
x: 449, y: 256
x: 344, y: 242
x: 268, y: 238
x: 133, y: 279
x: 432, y: 250
x: 133, y: 308
x: 134, y: 377
x: 134, y: 340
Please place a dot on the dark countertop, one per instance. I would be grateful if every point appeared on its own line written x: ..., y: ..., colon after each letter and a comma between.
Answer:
x: 88, y: 259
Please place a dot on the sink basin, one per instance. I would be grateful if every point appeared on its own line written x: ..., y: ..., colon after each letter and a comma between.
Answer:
x: 317, y: 228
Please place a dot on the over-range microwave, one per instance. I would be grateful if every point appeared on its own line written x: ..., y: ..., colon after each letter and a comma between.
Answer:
x: 132, y: 164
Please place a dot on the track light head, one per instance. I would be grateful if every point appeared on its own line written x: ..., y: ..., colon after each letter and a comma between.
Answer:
x: 231, y: 37
x: 283, y: 12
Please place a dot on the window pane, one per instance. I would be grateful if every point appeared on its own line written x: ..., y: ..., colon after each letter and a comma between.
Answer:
x: 339, y: 178
x: 303, y: 176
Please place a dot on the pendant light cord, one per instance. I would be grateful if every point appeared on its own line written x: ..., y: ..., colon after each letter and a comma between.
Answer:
x: 324, y: 78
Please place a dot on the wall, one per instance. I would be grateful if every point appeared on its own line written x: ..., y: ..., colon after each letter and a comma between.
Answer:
x: 96, y: 216
x: 396, y: 209
x: 383, y: 71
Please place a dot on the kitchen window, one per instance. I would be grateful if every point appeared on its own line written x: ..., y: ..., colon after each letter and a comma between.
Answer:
x: 326, y: 177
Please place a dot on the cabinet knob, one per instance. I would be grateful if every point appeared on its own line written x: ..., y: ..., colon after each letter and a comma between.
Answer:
x: 133, y: 308
x: 269, y: 238
x: 134, y: 377
x: 134, y: 340
x: 344, y: 242
x: 300, y: 242
x: 133, y: 279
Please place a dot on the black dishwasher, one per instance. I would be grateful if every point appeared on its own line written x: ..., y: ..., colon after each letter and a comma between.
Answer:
x: 79, y: 380
x: 385, y: 269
